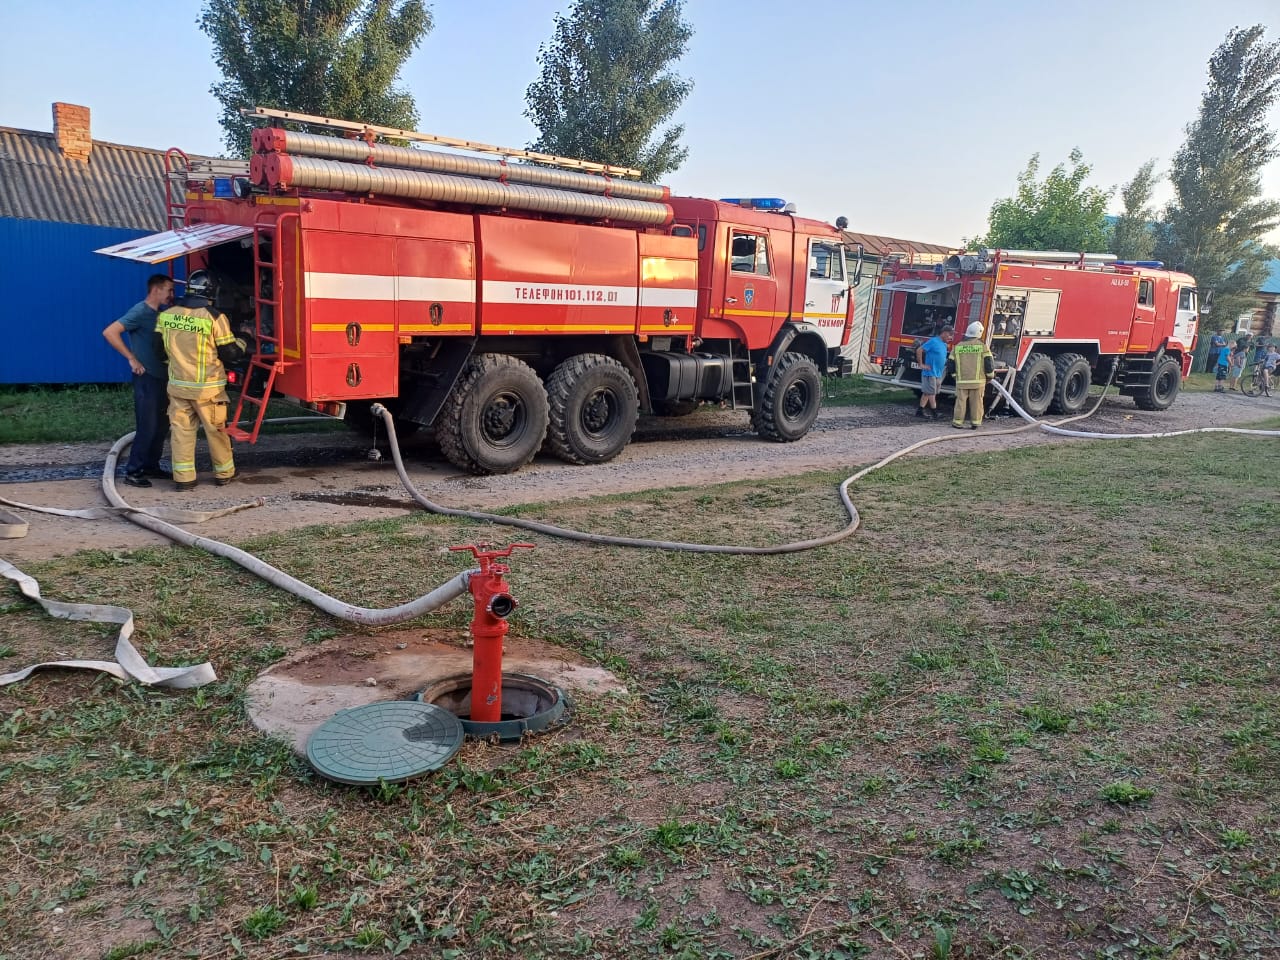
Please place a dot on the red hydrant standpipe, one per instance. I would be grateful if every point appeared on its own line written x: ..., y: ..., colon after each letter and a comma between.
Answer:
x: 494, y: 604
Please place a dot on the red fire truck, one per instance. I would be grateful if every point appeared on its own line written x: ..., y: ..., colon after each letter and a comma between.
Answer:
x: 1056, y: 323
x: 508, y: 305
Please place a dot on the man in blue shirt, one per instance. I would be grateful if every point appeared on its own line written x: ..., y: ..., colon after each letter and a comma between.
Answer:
x: 932, y: 357
x: 150, y: 380
x: 1216, y: 343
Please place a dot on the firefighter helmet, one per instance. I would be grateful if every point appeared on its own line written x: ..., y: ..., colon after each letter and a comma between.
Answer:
x: 200, y: 284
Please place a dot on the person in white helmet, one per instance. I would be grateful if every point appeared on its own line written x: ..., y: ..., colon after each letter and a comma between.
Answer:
x: 974, y: 366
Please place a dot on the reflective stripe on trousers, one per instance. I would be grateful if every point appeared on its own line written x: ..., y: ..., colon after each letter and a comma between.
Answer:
x: 185, y: 417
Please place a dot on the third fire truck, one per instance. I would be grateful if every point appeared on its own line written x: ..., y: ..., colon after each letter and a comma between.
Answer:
x: 1056, y: 323
x: 508, y: 305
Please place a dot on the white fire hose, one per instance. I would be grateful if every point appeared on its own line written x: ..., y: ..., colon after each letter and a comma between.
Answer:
x: 131, y: 665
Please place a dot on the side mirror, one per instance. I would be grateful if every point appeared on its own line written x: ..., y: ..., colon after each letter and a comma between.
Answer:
x: 1206, y: 305
x: 857, y: 270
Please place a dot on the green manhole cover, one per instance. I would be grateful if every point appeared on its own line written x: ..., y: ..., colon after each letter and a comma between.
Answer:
x: 390, y: 741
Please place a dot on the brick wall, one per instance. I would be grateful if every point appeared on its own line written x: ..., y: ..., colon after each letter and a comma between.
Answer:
x: 71, y: 128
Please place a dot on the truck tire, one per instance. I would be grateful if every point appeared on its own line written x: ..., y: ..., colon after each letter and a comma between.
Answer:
x: 496, y: 416
x: 790, y: 401
x: 675, y: 408
x: 1073, y: 377
x: 594, y: 404
x: 1166, y: 381
x: 1033, y: 386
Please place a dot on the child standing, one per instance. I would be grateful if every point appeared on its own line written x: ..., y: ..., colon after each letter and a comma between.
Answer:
x: 1239, y: 354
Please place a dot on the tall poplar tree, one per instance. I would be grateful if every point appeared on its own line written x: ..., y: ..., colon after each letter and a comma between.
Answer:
x: 332, y: 58
x: 1132, y: 236
x: 1213, y: 228
x: 606, y: 85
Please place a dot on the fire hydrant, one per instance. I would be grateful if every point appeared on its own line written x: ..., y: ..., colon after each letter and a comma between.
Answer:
x: 493, y: 604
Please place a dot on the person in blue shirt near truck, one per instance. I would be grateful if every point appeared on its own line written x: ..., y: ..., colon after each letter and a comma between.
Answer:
x: 150, y: 380
x: 932, y: 357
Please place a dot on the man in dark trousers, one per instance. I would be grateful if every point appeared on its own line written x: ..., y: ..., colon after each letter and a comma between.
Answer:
x: 1216, y: 343
x: 150, y: 380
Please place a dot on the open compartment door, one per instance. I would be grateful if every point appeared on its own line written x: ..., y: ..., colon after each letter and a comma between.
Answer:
x: 171, y: 244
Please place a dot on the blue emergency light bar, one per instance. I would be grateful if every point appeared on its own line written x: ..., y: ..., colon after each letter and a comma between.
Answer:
x: 1149, y: 264
x: 756, y: 203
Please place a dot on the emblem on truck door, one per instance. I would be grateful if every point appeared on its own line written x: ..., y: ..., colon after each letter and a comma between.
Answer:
x: 748, y: 295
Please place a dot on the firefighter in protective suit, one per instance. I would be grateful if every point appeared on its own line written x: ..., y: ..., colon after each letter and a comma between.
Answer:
x: 974, y: 366
x: 198, y: 342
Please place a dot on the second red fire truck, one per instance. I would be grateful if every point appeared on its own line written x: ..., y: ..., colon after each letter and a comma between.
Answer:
x: 1056, y: 323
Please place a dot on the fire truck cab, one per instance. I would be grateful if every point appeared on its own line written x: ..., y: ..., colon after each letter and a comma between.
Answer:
x: 1056, y: 324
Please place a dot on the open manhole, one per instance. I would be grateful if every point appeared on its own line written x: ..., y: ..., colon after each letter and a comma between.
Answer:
x: 529, y: 705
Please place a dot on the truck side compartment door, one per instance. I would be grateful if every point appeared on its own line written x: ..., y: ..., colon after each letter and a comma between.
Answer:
x: 826, y: 292
x: 750, y: 287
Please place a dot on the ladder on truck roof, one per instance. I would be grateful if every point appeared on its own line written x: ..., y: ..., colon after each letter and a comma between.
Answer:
x: 267, y: 359
x: 356, y: 128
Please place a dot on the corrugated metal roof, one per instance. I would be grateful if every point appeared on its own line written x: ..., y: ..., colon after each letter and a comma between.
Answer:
x: 117, y: 187
x: 879, y: 245
x: 1272, y: 283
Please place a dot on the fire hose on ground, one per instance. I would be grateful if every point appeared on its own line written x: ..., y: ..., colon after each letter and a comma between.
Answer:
x: 132, y: 664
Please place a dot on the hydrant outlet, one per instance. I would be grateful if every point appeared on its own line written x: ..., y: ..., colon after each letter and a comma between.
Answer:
x: 502, y: 605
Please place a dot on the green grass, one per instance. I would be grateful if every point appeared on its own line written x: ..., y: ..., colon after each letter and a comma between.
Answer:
x: 857, y: 390
x: 1042, y: 721
x: 89, y: 413
x: 65, y: 414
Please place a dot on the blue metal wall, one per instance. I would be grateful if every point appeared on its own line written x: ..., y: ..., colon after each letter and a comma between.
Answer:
x: 57, y: 294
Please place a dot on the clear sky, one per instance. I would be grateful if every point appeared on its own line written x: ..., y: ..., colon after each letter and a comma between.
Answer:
x: 908, y: 119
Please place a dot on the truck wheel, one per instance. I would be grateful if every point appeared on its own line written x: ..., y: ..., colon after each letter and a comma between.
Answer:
x: 790, y: 401
x: 593, y: 408
x: 1071, y: 391
x: 1166, y: 381
x: 675, y: 408
x: 495, y: 418
x: 1033, y: 387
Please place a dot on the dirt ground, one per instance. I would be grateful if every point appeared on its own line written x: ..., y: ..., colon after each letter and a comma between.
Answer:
x: 306, y: 479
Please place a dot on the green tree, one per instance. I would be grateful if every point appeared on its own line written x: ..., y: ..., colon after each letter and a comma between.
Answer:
x: 1132, y: 236
x: 1058, y: 213
x: 1213, y: 227
x: 332, y: 58
x: 606, y: 85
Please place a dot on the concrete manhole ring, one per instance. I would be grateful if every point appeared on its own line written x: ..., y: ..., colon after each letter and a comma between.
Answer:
x: 529, y: 705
